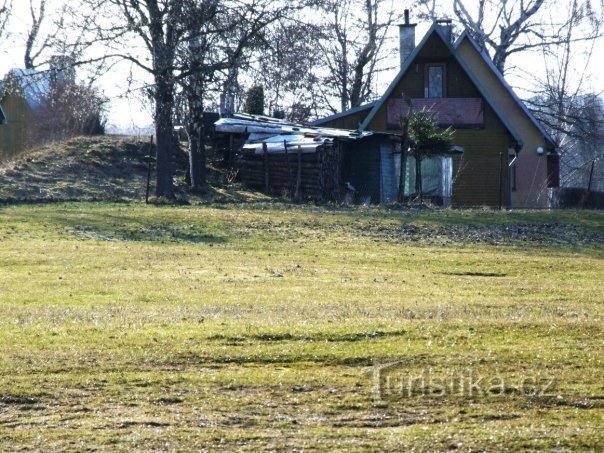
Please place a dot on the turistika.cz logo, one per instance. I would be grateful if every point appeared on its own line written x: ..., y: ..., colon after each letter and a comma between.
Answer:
x: 393, y: 381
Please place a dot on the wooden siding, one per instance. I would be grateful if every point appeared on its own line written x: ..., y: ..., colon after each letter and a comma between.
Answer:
x: 14, y: 137
x: 317, y: 173
x: 481, y: 175
x: 476, y: 173
x: 531, y: 168
x: 350, y: 122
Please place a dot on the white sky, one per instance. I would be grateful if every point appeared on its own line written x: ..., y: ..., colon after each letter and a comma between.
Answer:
x: 133, y: 116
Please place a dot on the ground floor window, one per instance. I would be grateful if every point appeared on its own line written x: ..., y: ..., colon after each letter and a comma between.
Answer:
x: 437, y: 178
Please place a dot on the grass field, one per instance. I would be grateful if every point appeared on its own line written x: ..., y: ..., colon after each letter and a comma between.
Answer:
x: 124, y: 326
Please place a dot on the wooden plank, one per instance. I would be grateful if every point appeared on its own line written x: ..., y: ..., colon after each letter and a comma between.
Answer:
x: 299, y: 178
x: 266, y: 179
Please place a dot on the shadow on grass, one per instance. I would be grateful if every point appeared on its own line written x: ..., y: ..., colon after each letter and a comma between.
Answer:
x: 320, y: 337
x: 128, y: 225
x: 259, y: 359
x: 155, y: 232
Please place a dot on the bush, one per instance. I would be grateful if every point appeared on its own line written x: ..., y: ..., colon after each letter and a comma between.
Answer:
x: 254, y: 102
x: 69, y: 109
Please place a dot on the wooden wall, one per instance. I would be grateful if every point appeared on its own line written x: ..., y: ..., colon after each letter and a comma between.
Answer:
x: 350, y: 122
x: 304, y: 176
x: 476, y: 174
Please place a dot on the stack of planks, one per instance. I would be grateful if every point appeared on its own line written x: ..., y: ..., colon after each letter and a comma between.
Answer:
x: 303, y: 176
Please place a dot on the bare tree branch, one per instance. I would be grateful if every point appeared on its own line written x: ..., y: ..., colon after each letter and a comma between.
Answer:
x: 5, y: 12
x: 354, y: 37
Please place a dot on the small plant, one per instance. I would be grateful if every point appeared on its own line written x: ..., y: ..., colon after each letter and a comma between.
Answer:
x: 231, y: 175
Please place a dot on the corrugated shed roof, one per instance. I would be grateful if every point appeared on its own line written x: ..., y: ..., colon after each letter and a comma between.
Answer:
x: 276, y: 132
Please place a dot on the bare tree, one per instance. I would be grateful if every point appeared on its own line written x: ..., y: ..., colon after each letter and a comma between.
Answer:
x: 506, y: 27
x: 354, y: 36
x: 69, y: 109
x: 564, y: 102
x: 287, y: 68
x: 582, y: 159
x: 37, y: 11
x: 147, y: 33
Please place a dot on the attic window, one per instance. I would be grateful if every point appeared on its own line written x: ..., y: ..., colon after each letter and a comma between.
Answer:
x: 434, y: 77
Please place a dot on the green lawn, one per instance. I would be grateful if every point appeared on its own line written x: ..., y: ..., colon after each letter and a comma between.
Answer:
x: 125, y: 326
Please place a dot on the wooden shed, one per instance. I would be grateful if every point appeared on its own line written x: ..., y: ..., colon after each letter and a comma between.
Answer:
x: 309, y: 163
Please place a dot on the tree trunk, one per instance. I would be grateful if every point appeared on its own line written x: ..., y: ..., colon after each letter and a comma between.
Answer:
x: 197, y: 162
x: 418, y: 176
x: 403, y: 175
x: 164, y: 131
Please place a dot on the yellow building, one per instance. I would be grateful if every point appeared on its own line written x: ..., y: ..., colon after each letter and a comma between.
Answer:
x: 21, y: 92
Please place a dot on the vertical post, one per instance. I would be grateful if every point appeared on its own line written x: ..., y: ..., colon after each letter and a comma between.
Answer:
x: 266, y: 174
x: 299, y: 178
x: 588, y: 193
x: 500, y: 180
x: 149, y: 169
x: 403, y: 174
x: 289, y: 172
x: 201, y: 176
x: 418, y: 176
x: 404, y: 147
x: 229, y: 152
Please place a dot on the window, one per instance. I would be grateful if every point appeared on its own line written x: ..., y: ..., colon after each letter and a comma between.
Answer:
x: 434, y: 76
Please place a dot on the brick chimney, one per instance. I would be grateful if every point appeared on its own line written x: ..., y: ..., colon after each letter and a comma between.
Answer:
x: 446, y: 26
x: 407, y: 38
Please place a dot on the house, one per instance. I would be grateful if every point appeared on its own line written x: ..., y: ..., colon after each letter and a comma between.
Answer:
x: 21, y: 93
x: 504, y: 155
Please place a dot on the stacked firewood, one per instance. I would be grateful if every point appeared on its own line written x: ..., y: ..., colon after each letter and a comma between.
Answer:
x: 303, y: 176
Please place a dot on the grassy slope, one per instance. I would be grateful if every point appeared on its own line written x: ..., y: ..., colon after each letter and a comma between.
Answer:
x: 106, y: 168
x: 129, y: 326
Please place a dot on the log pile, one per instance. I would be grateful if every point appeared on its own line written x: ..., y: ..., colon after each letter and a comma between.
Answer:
x: 303, y: 176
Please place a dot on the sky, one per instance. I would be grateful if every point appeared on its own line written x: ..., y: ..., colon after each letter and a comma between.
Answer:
x: 132, y: 116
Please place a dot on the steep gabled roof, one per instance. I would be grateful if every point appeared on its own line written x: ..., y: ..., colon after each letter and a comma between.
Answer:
x: 343, y: 114
x: 436, y: 29
x: 487, y: 60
